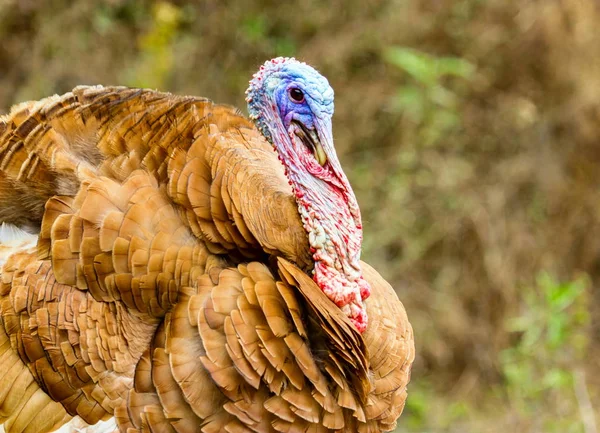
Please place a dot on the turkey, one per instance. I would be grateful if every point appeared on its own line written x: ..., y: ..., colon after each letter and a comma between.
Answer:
x: 168, y: 271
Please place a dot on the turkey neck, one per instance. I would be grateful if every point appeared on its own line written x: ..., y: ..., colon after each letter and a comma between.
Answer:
x: 329, y: 213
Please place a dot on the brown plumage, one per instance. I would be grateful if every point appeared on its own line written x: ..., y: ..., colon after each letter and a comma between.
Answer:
x: 168, y: 288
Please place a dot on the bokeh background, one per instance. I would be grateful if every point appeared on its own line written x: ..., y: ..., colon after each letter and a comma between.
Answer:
x: 470, y: 130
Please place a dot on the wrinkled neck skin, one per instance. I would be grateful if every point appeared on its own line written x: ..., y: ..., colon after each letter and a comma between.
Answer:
x: 329, y: 213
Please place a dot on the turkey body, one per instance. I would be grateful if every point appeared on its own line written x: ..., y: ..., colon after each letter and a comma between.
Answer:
x: 169, y: 286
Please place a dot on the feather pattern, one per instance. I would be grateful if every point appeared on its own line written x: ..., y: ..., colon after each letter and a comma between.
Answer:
x: 167, y: 289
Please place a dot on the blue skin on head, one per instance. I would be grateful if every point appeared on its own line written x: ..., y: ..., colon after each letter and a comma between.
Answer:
x: 274, y: 86
x: 318, y: 96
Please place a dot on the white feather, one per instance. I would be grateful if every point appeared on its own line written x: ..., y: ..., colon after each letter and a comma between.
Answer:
x: 10, y: 233
x: 12, y: 240
x: 77, y: 425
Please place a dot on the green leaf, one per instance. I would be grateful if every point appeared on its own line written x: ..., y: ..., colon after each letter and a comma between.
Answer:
x: 426, y: 68
x: 442, y: 96
x: 417, y: 64
x: 255, y: 28
x: 557, y: 378
x: 455, y: 66
x: 412, y: 101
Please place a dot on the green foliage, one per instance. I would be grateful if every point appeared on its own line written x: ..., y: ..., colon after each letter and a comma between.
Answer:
x: 542, y: 369
x: 551, y: 343
x: 257, y: 30
x: 156, y: 48
x: 424, y: 180
x: 425, y: 99
x: 427, y: 69
x: 425, y: 400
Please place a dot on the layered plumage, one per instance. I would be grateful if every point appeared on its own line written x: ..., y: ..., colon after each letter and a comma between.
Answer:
x: 170, y: 284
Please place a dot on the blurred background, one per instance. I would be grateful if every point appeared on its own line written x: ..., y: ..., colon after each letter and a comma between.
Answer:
x: 470, y: 131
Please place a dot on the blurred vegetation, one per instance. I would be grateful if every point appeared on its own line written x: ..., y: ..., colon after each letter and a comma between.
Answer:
x: 542, y: 367
x: 470, y: 130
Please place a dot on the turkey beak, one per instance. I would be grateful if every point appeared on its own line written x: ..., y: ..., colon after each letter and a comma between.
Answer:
x: 310, y: 138
x: 325, y: 149
x: 318, y: 151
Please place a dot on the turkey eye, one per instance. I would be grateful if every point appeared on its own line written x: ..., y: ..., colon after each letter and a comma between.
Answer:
x: 296, y: 95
